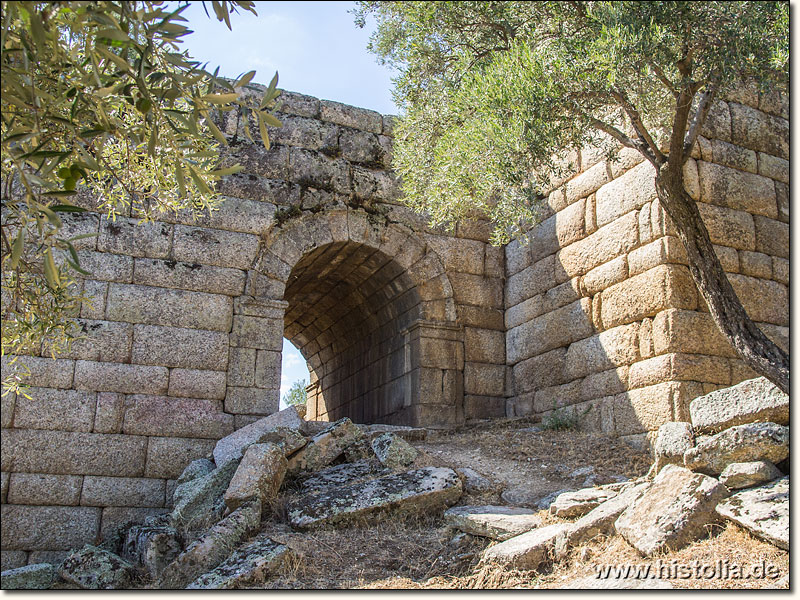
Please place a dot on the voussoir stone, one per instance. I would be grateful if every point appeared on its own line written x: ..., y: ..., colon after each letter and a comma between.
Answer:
x: 526, y: 551
x: 393, y: 451
x: 31, y: 577
x: 496, y: 522
x: 742, y: 443
x: 747, y: 474
x: 754, y: 400
x: 93, y: 568
x: 250, y: 564
x: 673, y: 512
x: 421, y: 490
x: 231, y: 446
x: 259, y: 475
x: 577, y: 504
x: 326, y: 446
x: 764, y: 511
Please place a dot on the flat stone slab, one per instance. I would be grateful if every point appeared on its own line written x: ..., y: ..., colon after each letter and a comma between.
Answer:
x: 31, y: 577
x: 763, y: 511
x: 232, y: 446
x: 673, y: 512
x: 496, y: 522
x: 577, y: 504
x: 526, y: 551
x: 93, y: 568
x: 422, y: 490
x: 410, y: 434
x: 250, y: 564
x: 742, y: 443
x: 343, y: 474
x: 752, y: 401
x: 737, y: 476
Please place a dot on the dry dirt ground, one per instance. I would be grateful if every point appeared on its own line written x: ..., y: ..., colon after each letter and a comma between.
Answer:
x: 412, y: 551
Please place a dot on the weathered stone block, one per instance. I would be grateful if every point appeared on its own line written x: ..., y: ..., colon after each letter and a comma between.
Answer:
x: 122, y: 491
x: 152, y: 547
x: 741, y: 443
x: 752, y: 401
x: 194, y: 383
x: 215, y: 247
x: 132, y: 238
x: 40, y: 372
x: 161, y: 306
x: 757, y: 130
x: 674, y: 439
x: 66, y: 410
x: 686, y: 367
x: 605, y: 275
x: 48, y: 527
x: 646, y: 409
x: 526, y: 551
x: 495, y: 522
x: 755, y: 264
x: 763, y: 511
x: 578, y: 503
x: 630, y: 191
x: 549, y: 331
x: 728, y: 227
x: 180, y: 347
x: 313, y: 169
x: 780, y: 270
x: 586, y: 183
x: 393, y: 451
x: 477, y: 290
x: 689, y: 332
x: 612, y: 348
x: 484, y: 379
x: 772, y: 237
x: 40, y: 489
x: 605, y: 383
x: 31, y: 577
x: 251, y: 401
x: 540, y: 371
x: 248, y: 565
x: 108, y: 341
x: 115, y: 517
x: 13, y: 559
x: 523, y: 312
x: 747, y: 474
x: 115, y: 377
x: 166, y: 456
x: 104, y: 267
x: 665, y: 250
x: 765, y: 301
x: 256, y: 332
x: 176, y: 417
x: 737, y: 190
x: 258, y: 476
x: 93, y: 306
x: 189, y: 276
x: 773, y: 167
x: 608, y: 242
x: 350, y: 116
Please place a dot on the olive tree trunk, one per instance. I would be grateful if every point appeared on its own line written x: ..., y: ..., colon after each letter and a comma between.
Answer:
x: 756, y: 350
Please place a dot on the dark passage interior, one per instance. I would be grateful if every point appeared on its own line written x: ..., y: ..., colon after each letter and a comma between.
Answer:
x: 349, y: 305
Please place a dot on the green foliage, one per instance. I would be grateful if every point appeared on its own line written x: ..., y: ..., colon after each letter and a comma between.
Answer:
x: 98, y: 100
x: 296, y: 394
x: 564, y: 419
x: 494, y: 92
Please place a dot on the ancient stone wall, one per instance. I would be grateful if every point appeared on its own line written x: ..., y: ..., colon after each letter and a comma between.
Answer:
x: 184, y: 320
x: 602, y: 316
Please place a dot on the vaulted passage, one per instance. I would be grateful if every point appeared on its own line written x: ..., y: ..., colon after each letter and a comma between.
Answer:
x: 349, y: 310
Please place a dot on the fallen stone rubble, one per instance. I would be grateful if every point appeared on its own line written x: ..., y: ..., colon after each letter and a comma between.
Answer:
x: 338, y: 472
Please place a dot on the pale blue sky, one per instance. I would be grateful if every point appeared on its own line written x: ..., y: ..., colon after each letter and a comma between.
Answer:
x: 316, y: 50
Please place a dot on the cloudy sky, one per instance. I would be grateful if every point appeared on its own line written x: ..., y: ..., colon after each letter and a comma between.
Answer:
x: 316, y: 50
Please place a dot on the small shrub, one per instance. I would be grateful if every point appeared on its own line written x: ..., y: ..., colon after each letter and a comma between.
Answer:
x: 562, y: 419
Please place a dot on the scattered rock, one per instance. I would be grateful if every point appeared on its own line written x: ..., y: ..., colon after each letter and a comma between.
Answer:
x: 93, y: 568
x: 496, y: 522
x: 547, y: 501
x: 743, y: 475
x: 361, y: 450
x: 422, y: 489
x: 197, y: 468
x: 521, y: 496
x: 410, y: 434
x: 197, y: 503
x: 742, y: 443
x: 474, y: 482
x: 40, y: 576
x: 752, y: 401
x: 763, y: 511
x: 673, y: 441
x: 259, y: 475
x: 326, y: 446
x: 211, y: 549
x: 393, y: 451
x: 152, y: 547
x: 232, y: 446
x: 526, y: 551
x: 672, y: 512
x: 597, y: 583
x: 577, y: 504
x: 582, y: 472
x: 345, y: 473
x: 249, y: 564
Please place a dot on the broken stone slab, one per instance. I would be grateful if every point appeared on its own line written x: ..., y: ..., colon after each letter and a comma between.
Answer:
x: 598, y: 521
x: 198, y: 503
x: 544, y: 502
x: 195, y: 469
x: 393, y: 451
x: 326, y: 446
x: 752, y: 401
x: 250, y: 564
x: 673, y: 440
x: 763, y: 511
x: 421, y: 490
x: 526, y: 551
x: 40, y: 576
x: 93, y: 568
x: 742, y: 443
x: 232, y: 446
x: 259, y: 475
x: 672, y: 512
x: 152, y: 547
x: 343, y: 474
x: 496, y: 522
x: 211, y: 549
x: 577, y: 504
x: 410, y: 434
x: 592, y: 582
x: 361, y: 450
x: 474, y: 481
x: 312, y: 428
x: 737, y: 476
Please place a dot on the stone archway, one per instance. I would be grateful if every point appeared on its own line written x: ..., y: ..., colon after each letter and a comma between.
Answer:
x: 370, y: 307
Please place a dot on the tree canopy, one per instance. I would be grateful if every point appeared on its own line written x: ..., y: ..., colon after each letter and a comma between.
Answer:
x: 99, y: 97
x: 494, y: 94
x: 296, y: 395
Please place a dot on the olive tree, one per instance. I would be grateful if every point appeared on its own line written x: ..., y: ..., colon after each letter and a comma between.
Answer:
x: 494, y: 92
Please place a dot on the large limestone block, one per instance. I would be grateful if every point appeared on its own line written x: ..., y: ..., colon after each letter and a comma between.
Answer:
x: 609, y: 349
x: 752, y: 401
x: 610, y: 241
x: 248, y: 565
x: 326, y: 446
x: 40, y: 489
x: 393, y: 451
x: 765, y: 301
x: 549, y: 331
x: 93, y: 568
x: 688, y: 331
x: 231, y: 447
x: 526, y: 551
x: 197, y: 501
x: 736, y: 189
x: 342, y: 474
x: 630, y: 191
x: 673, y: 441
x: 496, y: 522
x: 39, y: 576
x: 48, y: 527
x: 673, y: 512
x: 176, y: 417
x: 742, y: 443
x: 729, y: 227
x: 211, y: 549
x: 742, y: 475
x: 421, y: 490
x: 577, y: 504
x: 259, y: 475
x: 764, y: 511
